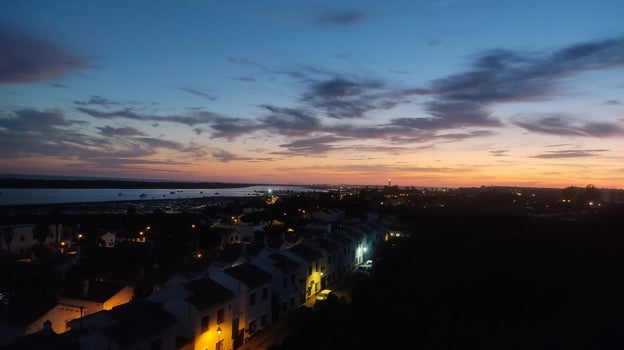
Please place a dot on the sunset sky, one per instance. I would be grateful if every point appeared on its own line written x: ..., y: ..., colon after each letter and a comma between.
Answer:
x: 427, y: 93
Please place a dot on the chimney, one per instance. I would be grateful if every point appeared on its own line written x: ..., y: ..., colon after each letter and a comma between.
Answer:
x: 47, y: 327
x: 85, y: 287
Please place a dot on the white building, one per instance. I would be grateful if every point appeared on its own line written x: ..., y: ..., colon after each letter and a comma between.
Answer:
x: 204, y: 311
x: 253, y: 287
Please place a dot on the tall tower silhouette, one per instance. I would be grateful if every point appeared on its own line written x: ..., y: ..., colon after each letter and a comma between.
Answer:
x: 389, y: 182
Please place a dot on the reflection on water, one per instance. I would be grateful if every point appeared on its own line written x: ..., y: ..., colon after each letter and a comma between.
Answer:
x: 20, y: 196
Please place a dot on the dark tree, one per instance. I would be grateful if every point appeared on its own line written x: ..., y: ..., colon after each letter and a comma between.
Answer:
x: 7, y: 237
x: 41, y: 231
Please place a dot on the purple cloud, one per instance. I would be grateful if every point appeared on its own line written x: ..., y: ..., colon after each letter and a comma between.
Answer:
x: 52, y: 135
x: 312, y: 146
x: 129, y: 113
x: 27, y: 59
x: 560, y: 124
x: 570, y: 154
x: 225, y: 156
x: 123, y: 131
x: 96, y: 100
x: 289, y: 121
x: 499, y: 153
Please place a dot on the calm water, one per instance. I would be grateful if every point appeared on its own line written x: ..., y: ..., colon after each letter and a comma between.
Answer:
x: 19, y: 196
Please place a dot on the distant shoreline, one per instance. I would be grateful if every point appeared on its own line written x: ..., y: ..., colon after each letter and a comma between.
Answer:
x: 120, y: 184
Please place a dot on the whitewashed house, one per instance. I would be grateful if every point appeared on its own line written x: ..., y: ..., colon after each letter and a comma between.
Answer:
x: 253, y: 286
x: 310, y: 259
x: 204, y: 311
x: 21, y: 237
x: 330, y: 266
x: 287, y: 281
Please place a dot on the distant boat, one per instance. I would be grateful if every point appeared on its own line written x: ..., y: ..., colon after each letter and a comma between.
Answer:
x: 172, y: 192
x: 143, y: 195
x: 216, y: 193
x: 120, y: 194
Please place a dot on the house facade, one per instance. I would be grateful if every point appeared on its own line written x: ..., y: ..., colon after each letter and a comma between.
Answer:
x: 287, y: 282
x: 252, y: 285
x: 204, y: 311
x: 310, y: 258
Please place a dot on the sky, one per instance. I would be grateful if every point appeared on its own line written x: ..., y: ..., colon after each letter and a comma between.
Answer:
x: 449, y: 93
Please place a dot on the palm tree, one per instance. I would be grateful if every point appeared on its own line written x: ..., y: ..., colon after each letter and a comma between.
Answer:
x: 41, y: 231
x: 7, y: 235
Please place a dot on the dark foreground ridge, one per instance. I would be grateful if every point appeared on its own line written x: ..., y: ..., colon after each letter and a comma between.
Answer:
x: 53, y: 183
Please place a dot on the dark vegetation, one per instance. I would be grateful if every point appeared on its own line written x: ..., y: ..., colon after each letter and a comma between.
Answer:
x: 485, y: 280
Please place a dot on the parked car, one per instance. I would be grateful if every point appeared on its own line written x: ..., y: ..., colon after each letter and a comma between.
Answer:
x: 323, y: 295
x: 361, y: 270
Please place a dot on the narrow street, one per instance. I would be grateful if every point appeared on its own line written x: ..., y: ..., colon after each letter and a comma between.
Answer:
x: 289, y: 322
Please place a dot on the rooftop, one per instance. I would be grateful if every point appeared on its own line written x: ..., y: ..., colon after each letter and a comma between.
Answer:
x: 207, y: 293
x: 250, y: 275
x: 306, y: 252
x: 284, y: 263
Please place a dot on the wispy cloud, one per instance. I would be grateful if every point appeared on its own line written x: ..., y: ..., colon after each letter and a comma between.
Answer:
x: 96, y: 100
x: 190, y: 119
x: 290, y: 121
x: 50, y: 134
x: 340, y: 18
x: 123, y: 131
x: 502, y: 76
x: 561, y: 124
x: 28, y: 59
x: 499, y: 153
x: 311, y: 146
x: 333, y: 110
x: 199, y: 92
x: 570, y: 153
x: 246, y: 79
x: 225, y: 156
x: 508, y: 76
